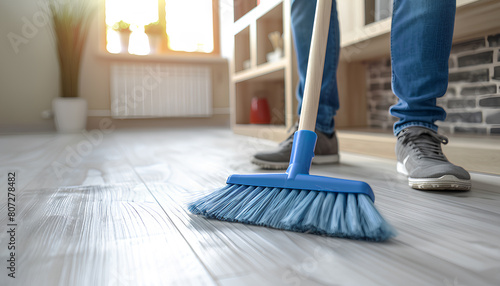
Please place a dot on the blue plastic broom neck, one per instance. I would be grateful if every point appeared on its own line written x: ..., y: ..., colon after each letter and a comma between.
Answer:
x: 304, y: 142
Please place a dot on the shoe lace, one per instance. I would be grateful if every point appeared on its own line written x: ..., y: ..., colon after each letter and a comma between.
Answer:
x: 425, y: 143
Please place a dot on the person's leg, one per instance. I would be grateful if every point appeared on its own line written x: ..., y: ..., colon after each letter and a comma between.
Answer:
x: 326, y: 151
x: 302, y: 18
x: 421, y: 37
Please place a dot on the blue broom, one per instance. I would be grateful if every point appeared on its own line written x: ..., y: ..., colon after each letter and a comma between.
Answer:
x: 295, y: 200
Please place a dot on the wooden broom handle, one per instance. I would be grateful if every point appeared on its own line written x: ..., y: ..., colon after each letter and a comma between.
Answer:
x: 315, y: 66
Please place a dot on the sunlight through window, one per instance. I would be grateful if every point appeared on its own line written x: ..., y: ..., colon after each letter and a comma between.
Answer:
x: 190, y: 25
x: 139, y: 43
x: 136, y: 12
x: 141, y: 27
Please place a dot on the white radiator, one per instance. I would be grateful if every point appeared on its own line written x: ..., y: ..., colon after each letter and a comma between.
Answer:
x: 160, y: 90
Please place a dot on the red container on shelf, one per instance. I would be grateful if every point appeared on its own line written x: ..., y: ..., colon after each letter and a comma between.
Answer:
x: 259, y: 111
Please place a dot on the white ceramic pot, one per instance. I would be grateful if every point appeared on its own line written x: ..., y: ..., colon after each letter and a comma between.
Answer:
x: 124, y: 40
x: 154, y: 43
x: 70, y: 114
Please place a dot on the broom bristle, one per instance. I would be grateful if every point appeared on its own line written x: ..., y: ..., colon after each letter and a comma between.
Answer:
x: 319, y: 212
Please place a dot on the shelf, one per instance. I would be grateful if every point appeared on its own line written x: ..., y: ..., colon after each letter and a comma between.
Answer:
x: 366, y: 32
x: 361, y: 42
x: 478, y: 154
x: 242, y: 45
x: 270, y: 88
x: 375, y: 29
x: 252, y: 43
x: 270, y: 70
x: 242, y: 7
x: 256, y: 73
x: 270, y: 22
x: 257, y: 12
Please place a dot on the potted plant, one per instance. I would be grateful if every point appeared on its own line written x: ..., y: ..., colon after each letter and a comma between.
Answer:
x: 70, y: 24
x: 123, y: 29
x: 155, y: 32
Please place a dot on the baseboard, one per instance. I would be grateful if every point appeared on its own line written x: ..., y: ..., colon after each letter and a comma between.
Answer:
x: 474, y: 153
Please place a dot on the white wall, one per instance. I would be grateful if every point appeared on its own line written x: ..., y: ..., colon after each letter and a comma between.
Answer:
x: 28, y: 72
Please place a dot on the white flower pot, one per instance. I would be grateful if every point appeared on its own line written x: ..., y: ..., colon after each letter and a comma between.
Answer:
x: 154, y: 43
x: 70, y: 114
x: 124, y: 40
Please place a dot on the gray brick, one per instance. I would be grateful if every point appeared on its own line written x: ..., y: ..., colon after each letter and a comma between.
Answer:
x: 495, y: 131
x: 461, y: 103
x: 469, y: 117
x: 493, y: 118
x: 470, y: 76
x: 468, y: 46
x: 383, y: 106
x: 444, y: 129
x: 451, y: 91
x: 496, y: 74
x: 476, y: 59
x: 376, y: 96
x: 386, y: 74
x: 375, y: 86
x: 479, y: 90
x: 493, y: 101
x: 379, y: 117
x: 494, y: 40
x: 470, y: 130
x: 380, y: 125
x: 378, y: 64
x: 441, y: 101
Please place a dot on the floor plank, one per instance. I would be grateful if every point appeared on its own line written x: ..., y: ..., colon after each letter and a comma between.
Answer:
x: 446, y: 236
x: 117, y: 216
x: 100, y: 235
x: 101, y: 226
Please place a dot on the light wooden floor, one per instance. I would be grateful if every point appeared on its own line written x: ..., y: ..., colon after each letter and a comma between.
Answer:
x: 114, y: 215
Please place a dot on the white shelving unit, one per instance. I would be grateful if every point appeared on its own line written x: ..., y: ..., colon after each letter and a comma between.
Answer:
x: 360, y: 42
x: 252, y: 75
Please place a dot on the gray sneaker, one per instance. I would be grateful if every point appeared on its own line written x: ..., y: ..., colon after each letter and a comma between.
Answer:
x: 326, y: 152
x: 421, y: 158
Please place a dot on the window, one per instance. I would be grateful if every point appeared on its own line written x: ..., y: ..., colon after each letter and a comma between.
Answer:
x: 145, y: 27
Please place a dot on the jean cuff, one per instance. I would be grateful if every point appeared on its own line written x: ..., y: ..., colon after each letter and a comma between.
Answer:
x: 324, y: 129
x: 415, y: 123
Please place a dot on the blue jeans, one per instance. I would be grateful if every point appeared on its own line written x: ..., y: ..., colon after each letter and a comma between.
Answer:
x: 421, y: 36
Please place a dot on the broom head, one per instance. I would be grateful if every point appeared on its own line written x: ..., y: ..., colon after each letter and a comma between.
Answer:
x: 298, y: 201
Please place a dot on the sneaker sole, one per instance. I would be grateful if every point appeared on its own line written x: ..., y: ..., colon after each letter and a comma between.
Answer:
x: 317, y: 160
x: 443, y: 183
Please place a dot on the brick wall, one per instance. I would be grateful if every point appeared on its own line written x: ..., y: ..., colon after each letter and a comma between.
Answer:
x: 473, y: 97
